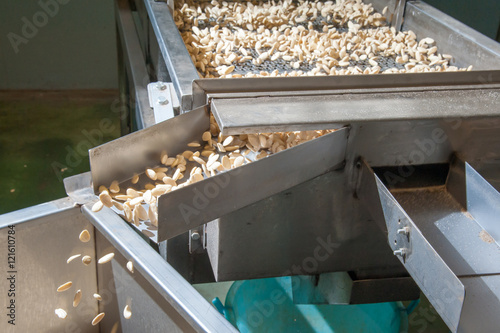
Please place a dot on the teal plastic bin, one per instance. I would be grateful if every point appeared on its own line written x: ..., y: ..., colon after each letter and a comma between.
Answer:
x: 265, y: 305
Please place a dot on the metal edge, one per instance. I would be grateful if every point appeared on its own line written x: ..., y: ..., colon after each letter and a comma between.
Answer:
x: 365, y: 185
x: 398, y: 14
x: 295, y: 113
x: 483, y: 203
x: 37, y: 211
x: 455, y: 182
x: 267, y: 86
x: 79, y: 187
x: 135, y: 63
x: 176, y: 56
x: 477, y: 196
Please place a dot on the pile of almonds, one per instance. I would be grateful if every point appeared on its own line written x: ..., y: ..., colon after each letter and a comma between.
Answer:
x: 213, y: 154
x: 353, y: 39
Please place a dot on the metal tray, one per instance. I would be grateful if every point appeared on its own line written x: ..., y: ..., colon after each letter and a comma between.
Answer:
x: 466, y: 45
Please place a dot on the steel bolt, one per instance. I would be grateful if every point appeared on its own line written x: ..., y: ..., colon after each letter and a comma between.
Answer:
x: 162, y: 100
x: 403, y: 231
x: 400, y: 252
x: 161, y: 86
x: 195, y: 235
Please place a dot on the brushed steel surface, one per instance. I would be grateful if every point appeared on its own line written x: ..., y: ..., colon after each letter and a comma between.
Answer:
x: 482, y: 304
x: 45, y: 237
x: 194, y: 267
x: 483, y: 203
x: 432, y: 274
x: 314, y: 227
x: 302, y: 113
x: 454, y: 233
x: 405, y: 143
x: 387, y: 289
x: 459, y: 219
x: 451, y: 217
x: 121, y: 158
x: 36, y: 212
x: 324, y: 85
x: 341, y: 288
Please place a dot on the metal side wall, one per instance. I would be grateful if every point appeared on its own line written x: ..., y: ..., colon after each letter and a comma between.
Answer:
x: 44, y: 237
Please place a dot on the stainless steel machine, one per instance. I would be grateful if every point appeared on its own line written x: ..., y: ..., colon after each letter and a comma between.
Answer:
x: 403, y: 195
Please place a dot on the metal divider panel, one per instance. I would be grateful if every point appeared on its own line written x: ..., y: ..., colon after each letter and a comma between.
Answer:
x: 436, y: 280
x: 191, y: 206
x: 288, y: 112
x: 121, y: 158
x: 483, y: 203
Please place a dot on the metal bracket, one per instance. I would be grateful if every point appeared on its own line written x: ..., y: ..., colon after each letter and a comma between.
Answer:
x: 163, y: 100
x: 79, y: 188
x: 197, y: 239
x: 170, y: 4
x: 398, y: 14
x: 402, y: 239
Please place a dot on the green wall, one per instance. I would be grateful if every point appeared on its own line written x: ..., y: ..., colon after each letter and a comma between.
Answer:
x: 481, y: 15
x: 71, y: 44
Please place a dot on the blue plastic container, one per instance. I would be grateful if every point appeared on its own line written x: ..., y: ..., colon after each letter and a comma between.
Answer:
x: 265, y: 305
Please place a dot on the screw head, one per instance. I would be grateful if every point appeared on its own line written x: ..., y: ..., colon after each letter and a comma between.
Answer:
x: 162, y: 100
x: 195, y: 235
x: 161, y: 86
